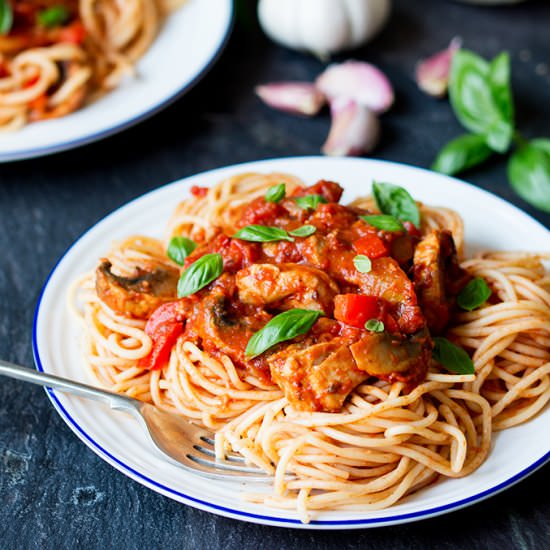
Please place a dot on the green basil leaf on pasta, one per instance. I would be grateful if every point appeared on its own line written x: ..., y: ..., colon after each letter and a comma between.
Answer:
x: 529, y: 173
x: 262, y: 234
x: 276, y: 193
x: 452, y: 357
x: 464, y: 152
x: 474, y: 294
x: 481, y: 97
x: 374, y: 325
x: 396, y: 201
x: 310, y: 202
x: 53, y: 17
x: 179, y: 248
x: 6, y: 17
x: 282, y: 327
x: 304, y: 231
x: 362, y: 263
x: 386, y: 223
x: 199, y: 274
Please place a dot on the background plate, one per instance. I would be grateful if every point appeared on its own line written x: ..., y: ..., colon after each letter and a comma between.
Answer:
x: 188, y: 43
x: 489, y: 222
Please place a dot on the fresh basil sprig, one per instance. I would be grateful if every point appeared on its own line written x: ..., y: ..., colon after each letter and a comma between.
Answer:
x: 452, y: 357
x: 374, y: 325
x: 53, y: 17
x: 262, y: 234
x: 396, y: 201
x: 481, y: 97
x: 386, y: 223
x: 310, y: 202
x: 179, y: 248
x: 199, y: 274
x: 276, y: 193
x: 6, y: 17
x: 474, y: 294
x: 282, y: 327
x: 304, y: 231
x: 362, y: 263
x: 462, y: 153
x: 529, y: 173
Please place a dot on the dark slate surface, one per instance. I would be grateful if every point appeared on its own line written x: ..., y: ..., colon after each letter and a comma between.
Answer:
x: 55, y: 492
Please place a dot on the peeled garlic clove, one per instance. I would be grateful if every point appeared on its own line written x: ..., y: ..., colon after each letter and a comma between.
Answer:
x: 432, y: 74
x: 301, y: 98
x: 355, y: 129
x: 359, y: 81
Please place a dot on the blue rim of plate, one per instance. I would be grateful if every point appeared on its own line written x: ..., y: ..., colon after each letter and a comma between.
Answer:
x: 97, y: 136
x: 238, y: 514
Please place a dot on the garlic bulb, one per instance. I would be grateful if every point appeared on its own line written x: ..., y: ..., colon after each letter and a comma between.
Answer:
x: 322, y: 26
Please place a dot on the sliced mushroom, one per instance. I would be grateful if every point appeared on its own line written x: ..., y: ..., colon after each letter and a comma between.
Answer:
x: 140, y: 294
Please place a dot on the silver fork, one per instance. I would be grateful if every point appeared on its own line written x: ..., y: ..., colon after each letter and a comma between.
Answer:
x: 179, y: 440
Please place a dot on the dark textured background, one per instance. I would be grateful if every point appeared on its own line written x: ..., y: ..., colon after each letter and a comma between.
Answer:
x: 54, y: 492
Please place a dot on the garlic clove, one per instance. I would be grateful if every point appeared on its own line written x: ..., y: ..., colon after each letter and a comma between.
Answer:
x: 359, y: 81
x: 432, y: 74
x: 301, y: 98
x: 355, y: 129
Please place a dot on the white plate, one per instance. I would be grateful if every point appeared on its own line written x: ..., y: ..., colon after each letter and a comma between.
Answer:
x: 490, y: 222
x: 189, y: 42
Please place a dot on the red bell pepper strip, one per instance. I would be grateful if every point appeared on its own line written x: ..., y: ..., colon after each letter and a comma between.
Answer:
x: 372, y: 246
x: 164, y: 327
x: 355, y: 309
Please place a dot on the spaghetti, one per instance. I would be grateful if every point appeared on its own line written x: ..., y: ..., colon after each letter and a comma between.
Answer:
x: 390, y: 438
x: 59, y: 54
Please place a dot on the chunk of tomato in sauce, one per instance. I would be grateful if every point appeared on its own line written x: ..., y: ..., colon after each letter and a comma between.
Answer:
x: 164, y: 328
x: 355, y: 309
x: 372, y: 246
x: 198, y: 191
x: 329, y: 190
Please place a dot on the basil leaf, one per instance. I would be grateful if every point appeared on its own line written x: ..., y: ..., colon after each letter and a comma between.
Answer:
x: 53, y: 17
x: 374, y: 325
x: 529, y: 173
x: 500, y: 85
x: 462, y: 153
x: 452, y: 357
x: 262, y: 234
x: 199, y: 274
x: 386, y: 223
x: 310, y: 202
x: 276, y: 193
x: 396, y: 201
x: 282, y: 327
x: 362, y: 263
x: 480, y: 95
x: 304, y: 231
x: 179, y: 248
x: 6, y: 17
x: 475, y: 293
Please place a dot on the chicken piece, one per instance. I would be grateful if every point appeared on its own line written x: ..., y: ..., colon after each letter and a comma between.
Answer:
x: 318, y: 377
x: 286, y: 286
x: 392, y: 358
x: 139, y: 295
x: 437, y: 277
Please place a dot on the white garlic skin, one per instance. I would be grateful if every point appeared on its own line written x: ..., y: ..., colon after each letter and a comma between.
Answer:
x: 322, y: 27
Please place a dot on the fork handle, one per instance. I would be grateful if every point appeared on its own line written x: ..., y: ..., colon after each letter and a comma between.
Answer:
x: 115, y: 400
